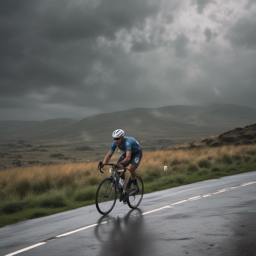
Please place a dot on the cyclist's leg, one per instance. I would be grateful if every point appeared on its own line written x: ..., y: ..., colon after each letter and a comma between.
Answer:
x: 134, y: 163
x: 132, y: 169
x: 122, y: 174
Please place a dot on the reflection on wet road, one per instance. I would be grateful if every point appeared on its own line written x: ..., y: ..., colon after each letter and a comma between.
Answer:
x: 124, y: 236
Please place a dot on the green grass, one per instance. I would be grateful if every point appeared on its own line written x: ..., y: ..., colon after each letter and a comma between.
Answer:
x: 31, y: 198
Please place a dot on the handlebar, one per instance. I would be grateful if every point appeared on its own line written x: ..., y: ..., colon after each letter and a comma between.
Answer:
x: 100, y: 165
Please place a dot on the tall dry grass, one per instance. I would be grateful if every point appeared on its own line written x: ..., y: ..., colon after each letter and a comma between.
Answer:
x: 43, y: 178
x: 52, y: 176
x: 194, y: 156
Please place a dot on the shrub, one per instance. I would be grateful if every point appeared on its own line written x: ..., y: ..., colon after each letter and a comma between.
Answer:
x: 236, y: 157
x: 37, y: 214
x: 3, y: 184
x: 52, y: 201
x: 204, y: 163
x: 246, y: 158
x: 180, y: 179
x: 23, y: 187
x: 2, y: 195
x: 93, y: 181
x: 12, y: 207
x: 85, y: 194
x: 192, y: 168
x: 69, y: 190
x: 226, y: 159
x: 215, y: 169
x: 65, y: 180
x: 180, y: 167
x: 203, y: 172
x: 233, y: 169
x: 87, y: 173
x: 166, y: 180
x: 175, y: 161
x: 251, y: 152
x: 152, y: 175
x: 41, y: 186
x: 166, y: 161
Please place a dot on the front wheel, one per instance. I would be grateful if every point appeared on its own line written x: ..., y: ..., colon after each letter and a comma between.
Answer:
x: 106, y: 196
x: 135, y: 194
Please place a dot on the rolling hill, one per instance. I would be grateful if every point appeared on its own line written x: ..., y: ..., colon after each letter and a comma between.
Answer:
x: 177, y: 123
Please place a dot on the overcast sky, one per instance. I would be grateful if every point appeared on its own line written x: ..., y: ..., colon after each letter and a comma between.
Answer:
x: 62, y: 58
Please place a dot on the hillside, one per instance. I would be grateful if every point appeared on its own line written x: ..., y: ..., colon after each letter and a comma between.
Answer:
x: 16, y: 126
x: 238, y: 136
x: 177, y: 123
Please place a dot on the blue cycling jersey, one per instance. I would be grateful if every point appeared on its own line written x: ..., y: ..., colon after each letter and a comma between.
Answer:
x: 129, y: 144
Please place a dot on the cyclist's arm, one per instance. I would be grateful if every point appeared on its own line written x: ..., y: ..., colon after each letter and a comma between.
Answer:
x: 108, y: 157
x: 127, y: 158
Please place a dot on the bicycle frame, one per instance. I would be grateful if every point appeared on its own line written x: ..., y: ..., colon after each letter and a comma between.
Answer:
x: 112, y: 171
x: 110, y: 191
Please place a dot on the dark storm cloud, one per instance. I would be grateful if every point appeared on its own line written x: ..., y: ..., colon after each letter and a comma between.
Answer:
x: 52, y: 44
x: 250, y: 3
x: 201, y: 4
x: 180, y: 45
x: 141, y: 46
x: 92, y: 19
x: 209, y: 35
x: 10, y: 7
x: 154, y: 40
x: 230, y: 80
x: 74, y: 58
x: 243, y: 32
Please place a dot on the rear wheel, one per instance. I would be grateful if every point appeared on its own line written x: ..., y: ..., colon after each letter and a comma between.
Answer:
x: 106, y: 196
x: 135, y: 194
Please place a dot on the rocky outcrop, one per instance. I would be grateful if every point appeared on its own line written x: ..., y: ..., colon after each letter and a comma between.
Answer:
x: 57, y: 155
x: 84, y: 148
x: 238, y: 136
x: 17, y: 162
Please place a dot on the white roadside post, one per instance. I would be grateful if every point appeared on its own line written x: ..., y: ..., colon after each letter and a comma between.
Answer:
x: 165, y: 168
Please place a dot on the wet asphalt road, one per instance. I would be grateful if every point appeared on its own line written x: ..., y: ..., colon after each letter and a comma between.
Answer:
x: 206, y: 221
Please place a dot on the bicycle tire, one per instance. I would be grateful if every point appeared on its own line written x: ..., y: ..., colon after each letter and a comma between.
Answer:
x: 106, y: 196
x: 135, y: 194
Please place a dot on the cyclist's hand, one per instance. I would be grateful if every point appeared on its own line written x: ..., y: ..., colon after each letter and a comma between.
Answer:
x: 100, y: 165
x: 116, y: 166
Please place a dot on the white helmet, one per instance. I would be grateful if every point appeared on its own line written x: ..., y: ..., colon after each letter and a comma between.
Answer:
x: 118, y: 133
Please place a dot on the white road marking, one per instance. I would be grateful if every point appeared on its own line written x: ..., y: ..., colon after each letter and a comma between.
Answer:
x: 25, y: 249
x: 248, y: 183
x: 208, y: 194
x: 145, y: 213
x: 77, y: 230
x: 180, y: 202
x: 194, y: 198
x: 219, y: 191
x: 156, y: 210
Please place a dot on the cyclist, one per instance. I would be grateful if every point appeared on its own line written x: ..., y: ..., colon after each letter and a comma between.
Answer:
x: 130, y: 158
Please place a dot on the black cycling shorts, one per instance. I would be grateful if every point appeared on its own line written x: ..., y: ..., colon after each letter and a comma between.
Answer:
x: 135, y: 159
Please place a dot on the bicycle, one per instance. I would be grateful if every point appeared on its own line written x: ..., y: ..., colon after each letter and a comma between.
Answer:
x: 107, y: 191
